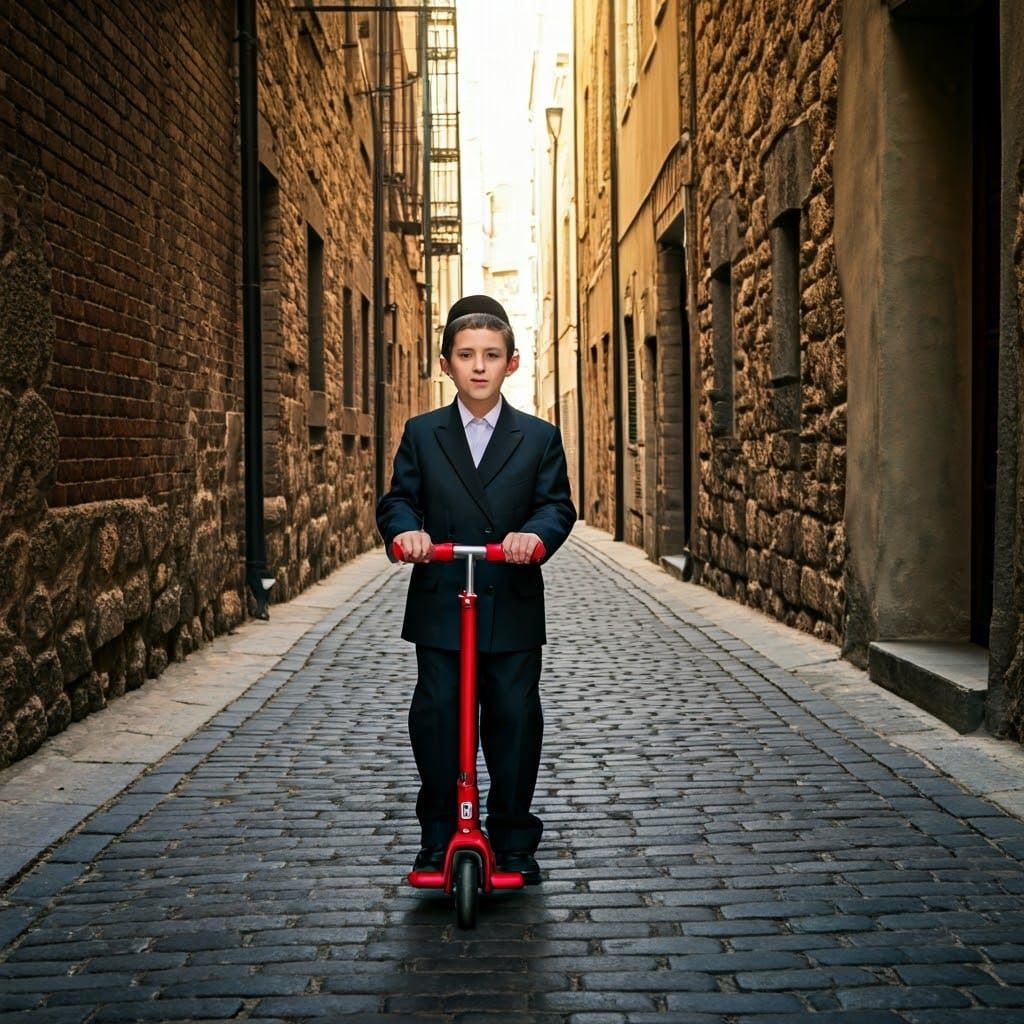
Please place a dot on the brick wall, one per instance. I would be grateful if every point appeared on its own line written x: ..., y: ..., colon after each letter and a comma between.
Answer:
x: 771, y: 441
x: 121, y: 367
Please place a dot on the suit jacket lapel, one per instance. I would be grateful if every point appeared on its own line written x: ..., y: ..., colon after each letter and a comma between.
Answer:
x: 503, y: 443
x: 451, y: 436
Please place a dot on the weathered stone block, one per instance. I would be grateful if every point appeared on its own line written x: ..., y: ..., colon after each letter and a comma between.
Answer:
x: 38, y: 618
x: 275, y: 512
x: 74, y: 652
x: 48, y: 677
x: 166, y: 608
x: 813, y: 543
x: 155, y: 531
x: 32, y: 444
x: 161, y: 577
x: 230, y: 612
x: 791, y: 582
x: 30, y: 724
x: 106, y: 617
x: 136, y: 595
x: 58, y: 715
x: 15, y: 679
x: 26, y: 320
x: 105, y: 547
x: 8, y: 744
x: 13, y: 568
x: 156, y: 662
x: 135, y: 669
x: 58, y: 546
x: 129, y: 521
x: 85, y: 697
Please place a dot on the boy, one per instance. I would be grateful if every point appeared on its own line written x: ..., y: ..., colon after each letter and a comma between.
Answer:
x: 478, y: 472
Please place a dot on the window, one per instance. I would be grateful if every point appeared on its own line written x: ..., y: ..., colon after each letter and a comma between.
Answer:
x: 315, y: 334
x: 785, y: 355
x: 348, y: 351
x: 364, y: 323
x: 722, y: 344
x: 631, y: 379
x: 315, y: 308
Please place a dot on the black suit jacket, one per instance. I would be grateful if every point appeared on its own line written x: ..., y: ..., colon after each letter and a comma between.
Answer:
x: 520, y: 485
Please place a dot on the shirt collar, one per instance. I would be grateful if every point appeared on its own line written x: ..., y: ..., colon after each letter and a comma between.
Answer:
x: 491, y: 419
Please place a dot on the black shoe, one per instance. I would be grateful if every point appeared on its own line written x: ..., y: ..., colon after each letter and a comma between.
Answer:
x: 430, y: 858
x: 522, y: 861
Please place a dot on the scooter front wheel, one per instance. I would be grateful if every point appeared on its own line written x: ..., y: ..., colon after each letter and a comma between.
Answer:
x: 467, y: 890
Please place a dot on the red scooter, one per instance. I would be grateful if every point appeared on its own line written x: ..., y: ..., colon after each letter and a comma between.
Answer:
x: 469, y: 865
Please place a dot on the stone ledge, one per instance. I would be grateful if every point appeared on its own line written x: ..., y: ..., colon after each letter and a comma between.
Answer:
x: 948, y: 680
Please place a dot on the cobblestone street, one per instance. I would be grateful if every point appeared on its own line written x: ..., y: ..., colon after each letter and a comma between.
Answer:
x: 723, y: 844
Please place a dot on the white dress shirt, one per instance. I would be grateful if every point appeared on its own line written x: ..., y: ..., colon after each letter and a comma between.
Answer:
x: 479, y: 429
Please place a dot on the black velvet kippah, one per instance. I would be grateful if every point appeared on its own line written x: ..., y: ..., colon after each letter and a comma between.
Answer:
x: 468, y: 305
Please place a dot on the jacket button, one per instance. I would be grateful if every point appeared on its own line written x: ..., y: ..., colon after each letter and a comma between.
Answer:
x: 490, y: 590
x: 488, y: 530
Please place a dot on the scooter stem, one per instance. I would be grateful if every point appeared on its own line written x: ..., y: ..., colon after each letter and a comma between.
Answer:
x: 468, y: 794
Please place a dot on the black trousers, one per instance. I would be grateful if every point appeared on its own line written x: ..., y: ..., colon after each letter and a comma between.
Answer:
x: 511, y: 732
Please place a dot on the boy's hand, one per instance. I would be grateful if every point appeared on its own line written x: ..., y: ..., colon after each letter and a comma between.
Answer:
x: 518, y: 547
x: 416, y: 545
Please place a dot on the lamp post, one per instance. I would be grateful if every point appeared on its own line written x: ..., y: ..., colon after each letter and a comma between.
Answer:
x: 554, y: 118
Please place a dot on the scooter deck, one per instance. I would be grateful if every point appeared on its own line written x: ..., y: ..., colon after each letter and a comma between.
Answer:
x: 474, y: 842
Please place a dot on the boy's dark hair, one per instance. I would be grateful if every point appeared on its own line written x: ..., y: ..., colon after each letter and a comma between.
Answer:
x: 477, y: 321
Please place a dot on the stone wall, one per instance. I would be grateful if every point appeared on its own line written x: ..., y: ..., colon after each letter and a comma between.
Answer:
x: 1005, y: 711
x: 593, y: 229
x: 771, y: 428
x: 121, y: 369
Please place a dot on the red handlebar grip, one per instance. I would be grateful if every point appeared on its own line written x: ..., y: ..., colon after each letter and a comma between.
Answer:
x: 495, y: 553
x: 445, y: 552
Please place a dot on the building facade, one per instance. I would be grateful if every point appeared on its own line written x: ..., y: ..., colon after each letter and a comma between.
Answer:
x: 827, y: 266
x: 121, y: 356
x: 552, y: 113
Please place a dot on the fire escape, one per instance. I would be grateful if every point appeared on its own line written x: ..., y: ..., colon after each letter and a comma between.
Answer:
x: 429, y: 203
x: 442, y: 244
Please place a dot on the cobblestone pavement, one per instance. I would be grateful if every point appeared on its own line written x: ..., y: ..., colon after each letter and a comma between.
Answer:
x: 723, y: 844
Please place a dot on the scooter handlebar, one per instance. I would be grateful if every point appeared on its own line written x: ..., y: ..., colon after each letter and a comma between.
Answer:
x: 448, y: 551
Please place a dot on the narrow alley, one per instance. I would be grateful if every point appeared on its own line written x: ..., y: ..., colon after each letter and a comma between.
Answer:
x: 723, y: 842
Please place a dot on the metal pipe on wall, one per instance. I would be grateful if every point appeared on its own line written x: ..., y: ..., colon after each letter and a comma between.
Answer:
x: 613, y: 197
x: 252, y: 332
x: 422, y: 27
x: 556, y: 355
x: 380, y: 384
x: 581, y: 498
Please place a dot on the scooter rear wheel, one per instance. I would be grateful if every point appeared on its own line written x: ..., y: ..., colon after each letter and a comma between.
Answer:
x: 467, y: 890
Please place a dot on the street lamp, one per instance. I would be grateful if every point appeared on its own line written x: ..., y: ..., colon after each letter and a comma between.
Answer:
x: 554, y: 118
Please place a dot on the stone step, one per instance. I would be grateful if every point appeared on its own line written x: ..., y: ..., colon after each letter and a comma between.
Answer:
x: 948, y: 680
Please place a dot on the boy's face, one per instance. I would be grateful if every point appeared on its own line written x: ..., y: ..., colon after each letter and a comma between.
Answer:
x: 478, y: 365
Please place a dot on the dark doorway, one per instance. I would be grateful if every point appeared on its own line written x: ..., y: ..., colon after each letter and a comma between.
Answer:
x: 985, y: 326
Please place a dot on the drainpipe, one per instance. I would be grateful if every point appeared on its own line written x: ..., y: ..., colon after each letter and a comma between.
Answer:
x: 380, y: 394
x: 581, y: 498
x: 613, y: 154
x: 691, y: 259
x: 422, y: 27
x: 252, y: 334
x: 554, y: 279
